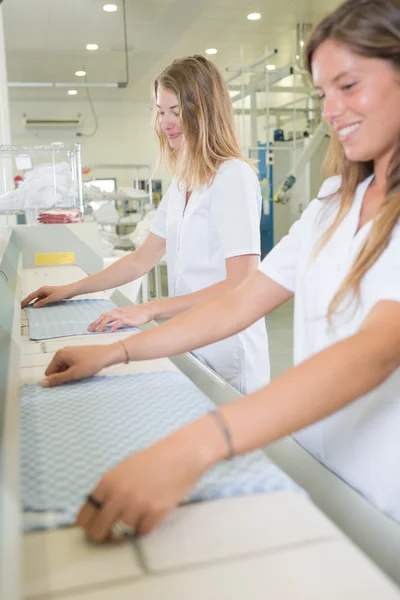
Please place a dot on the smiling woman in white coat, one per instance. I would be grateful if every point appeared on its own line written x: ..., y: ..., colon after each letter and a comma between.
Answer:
x: 208, y: 223
x: 341, y: 262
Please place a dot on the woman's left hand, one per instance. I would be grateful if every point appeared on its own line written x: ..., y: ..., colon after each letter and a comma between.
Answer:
x: 147, y: 485
x: 131, y: 316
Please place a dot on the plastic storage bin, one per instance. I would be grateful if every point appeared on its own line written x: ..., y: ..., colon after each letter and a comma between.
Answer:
x: 37, y: 178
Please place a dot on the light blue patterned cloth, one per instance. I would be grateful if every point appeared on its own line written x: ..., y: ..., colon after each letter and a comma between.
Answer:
x: 71, y: 435
x: 70, y: 317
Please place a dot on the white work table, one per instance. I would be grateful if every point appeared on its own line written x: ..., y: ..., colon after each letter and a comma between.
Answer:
x: 264, y: 546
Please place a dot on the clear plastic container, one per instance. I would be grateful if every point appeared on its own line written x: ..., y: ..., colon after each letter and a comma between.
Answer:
x: 51, y: 178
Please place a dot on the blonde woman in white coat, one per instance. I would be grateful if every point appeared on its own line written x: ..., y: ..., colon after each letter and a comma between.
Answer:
x: 207, y: 224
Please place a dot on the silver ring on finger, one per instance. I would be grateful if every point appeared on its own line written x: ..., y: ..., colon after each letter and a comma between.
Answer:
x: 121, y: 529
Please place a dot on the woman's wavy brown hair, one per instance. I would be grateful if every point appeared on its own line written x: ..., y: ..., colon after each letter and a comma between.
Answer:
x: 370, y: 28
x: 207, y: 121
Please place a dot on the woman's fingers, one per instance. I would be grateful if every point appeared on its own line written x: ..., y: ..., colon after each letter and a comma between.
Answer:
x: 45, y: 295
x: 58, y: 363
x: 103, y: 320
x: 145, y: 486
x: 70, y: 374
x: 117, y: 325
x: 89, y: 511
x: 99, y: 528
x: 42, y: 301
x: 86, y: 514
x: 108, y: 318
x: 131, y: 316
x: 98, y: 521
x: 94, y: 325
x: 70, y: 364
x: 60, y: 370
x: 29, y: 298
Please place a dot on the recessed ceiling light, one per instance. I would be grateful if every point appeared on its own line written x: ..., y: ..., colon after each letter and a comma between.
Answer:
x: 80, y: 73
x: 297, y: 57
x: 92, y: 47
x: 211, y: 51
x: 254, y: 16
x: 301, y: 43
x: 110, y: 7
x: 72, y: 92
x: 271, y: 67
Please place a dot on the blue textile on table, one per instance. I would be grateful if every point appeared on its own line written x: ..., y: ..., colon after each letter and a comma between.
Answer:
x: 70, y: 317
x: 71, y: 435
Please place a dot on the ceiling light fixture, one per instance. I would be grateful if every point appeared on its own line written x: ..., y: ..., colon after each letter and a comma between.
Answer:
x: 110, y: 7
x: 92, y: 47
x: 254, y: 16
x: 301, y: 43
x: 270, y: 67
x: 80, y: 73
x: 211, y: 51
x: 72, y: 92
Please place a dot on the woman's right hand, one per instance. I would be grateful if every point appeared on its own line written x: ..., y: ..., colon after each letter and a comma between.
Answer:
x: 143, y: 488
x: 72, y: 364
x: 47, y: 294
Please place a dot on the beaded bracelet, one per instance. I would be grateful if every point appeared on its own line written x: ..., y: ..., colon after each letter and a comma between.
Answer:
x: 219, y: 419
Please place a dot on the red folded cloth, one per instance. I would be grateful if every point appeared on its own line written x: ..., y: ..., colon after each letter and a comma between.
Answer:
x: 54, y: 216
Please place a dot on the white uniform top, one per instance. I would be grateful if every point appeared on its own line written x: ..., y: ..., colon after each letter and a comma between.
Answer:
x: 361, y: 442
x: 219, y: 222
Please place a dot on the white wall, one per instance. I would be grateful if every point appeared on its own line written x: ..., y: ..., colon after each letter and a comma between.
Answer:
x: 124, y: 135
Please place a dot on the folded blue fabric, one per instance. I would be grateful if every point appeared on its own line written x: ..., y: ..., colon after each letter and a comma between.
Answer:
x: 71, y: 435
x: 70, y: 317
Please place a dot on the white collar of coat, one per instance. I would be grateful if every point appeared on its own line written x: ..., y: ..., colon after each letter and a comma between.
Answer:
x: 333, y: 184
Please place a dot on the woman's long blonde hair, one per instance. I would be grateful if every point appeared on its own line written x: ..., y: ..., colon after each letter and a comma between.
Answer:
x: 370, y: 28
x: 207, y: 121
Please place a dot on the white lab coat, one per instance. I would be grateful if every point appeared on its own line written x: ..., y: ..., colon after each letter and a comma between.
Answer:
x: 361, y: 442
x: 219, y: 222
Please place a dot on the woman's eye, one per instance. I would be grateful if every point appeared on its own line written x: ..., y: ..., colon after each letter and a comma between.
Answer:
x: 348, y: 86
x: 176, y: 114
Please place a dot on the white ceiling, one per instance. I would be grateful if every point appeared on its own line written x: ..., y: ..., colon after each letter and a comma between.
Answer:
x: 46, y: 39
